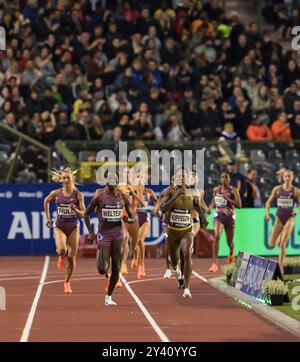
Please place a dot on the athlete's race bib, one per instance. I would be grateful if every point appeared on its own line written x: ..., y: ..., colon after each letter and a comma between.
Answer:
x: 285, y: 203
x: 65, y: 211
x: 180, y: 218
x: 220, y: 201
x: 111, y: 214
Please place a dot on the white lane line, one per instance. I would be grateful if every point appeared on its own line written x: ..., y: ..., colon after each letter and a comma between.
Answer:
x: 28, y: 325
x: 200, y: 277
x: 144, y: 280
x: 152, y: 322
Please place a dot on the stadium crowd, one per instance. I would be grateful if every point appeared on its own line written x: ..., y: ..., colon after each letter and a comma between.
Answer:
x: 142, y: 69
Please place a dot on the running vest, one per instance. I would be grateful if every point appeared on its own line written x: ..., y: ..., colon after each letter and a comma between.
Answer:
x: 286, y: 199
x: 110, y: 210
x: 141, y: 208
x: 63, y: 206
x: 221, y: 202
x: 180, y: 214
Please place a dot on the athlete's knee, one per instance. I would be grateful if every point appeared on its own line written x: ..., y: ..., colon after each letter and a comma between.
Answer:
x: 102, y: 268
x: 187, y: 253
x: 61, y: 251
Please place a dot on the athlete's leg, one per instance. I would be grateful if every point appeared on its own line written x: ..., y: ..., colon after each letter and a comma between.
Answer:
x: 186, y: 245
x: 143, y: 232
x: 125, y: 252
x: 285, y: 235
x: 103, y: 259
x: 218, y: 228
x: 196, y: 228
x: 276, y: 233
x: 72, y: 244
x: 174, y: 249
x: 116, y: 257
x: 133, y: 230
x: 168, y: 272
x: 60, y: 241
x: 229, y: 231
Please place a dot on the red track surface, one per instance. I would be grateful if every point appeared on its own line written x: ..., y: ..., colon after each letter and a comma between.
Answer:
x: 82, y: 316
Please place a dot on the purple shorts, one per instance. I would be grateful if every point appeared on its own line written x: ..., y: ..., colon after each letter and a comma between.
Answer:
x: 142, y: 217
x: 226, y: 220
x: 284, y: 215
x: 66, y: 226
x: 107, y: 236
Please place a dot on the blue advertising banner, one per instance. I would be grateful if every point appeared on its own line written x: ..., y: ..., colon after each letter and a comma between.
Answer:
x: 23, y: 230
x: 254, y: 276
x: 252, y: 271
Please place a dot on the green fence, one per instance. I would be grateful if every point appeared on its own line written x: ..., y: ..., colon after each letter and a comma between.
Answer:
x: 252, y: 233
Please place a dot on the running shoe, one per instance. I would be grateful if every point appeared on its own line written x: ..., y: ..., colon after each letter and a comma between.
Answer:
x: 181, y: 284
x: 214, y: 268
x: 119, y: 284
x: 230, y: 259
x: 168, y: 274
x: 187, y: 293
x: 134, y: 263
x: 177, y: 272
x: 124, y: 270
x: 67, y: 287
x: 106, y: 284
x: 60, y: 263
x: 141, y: 272
x: 109, y: 301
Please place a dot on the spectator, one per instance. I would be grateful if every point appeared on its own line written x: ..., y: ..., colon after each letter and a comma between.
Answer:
x: 229, y: 136
x: 237, y: 179
x: 281, y: 130
x: 295, y: 128
x: 258, y: 131
x: 253, y: 198
x: 96, y: 130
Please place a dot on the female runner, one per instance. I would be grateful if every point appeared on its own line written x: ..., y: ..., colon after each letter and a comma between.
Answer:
x: 287, y: 196
x: 109, y: 203
x: 146, y: 194
x: 225, y: 199
x: 69, y: 204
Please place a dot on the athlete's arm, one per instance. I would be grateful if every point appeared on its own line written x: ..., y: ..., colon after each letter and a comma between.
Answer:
x: 93, y: 204
x: 200, y: 211
x: 137, y: 195
x: 154, y: 198
x: 297, y: 194
x: 52, y: 196
x: 202, y: 203
x: 159, y: 203
x: 169, y: 200
x: 236, y: 202
x: 269, y: 201
x: 81, y: 210
x: 129, y: 219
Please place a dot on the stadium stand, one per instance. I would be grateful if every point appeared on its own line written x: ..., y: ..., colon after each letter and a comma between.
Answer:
x: 154, y: 72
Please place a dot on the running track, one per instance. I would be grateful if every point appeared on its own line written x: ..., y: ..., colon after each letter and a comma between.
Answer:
x: 44, y: 313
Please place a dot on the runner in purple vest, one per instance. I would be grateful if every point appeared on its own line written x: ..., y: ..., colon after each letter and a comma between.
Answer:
x: 108, y: 204
x: 145, y: 194
x: 287, y: 197
x: 225, y: 199
x: 69, y: 204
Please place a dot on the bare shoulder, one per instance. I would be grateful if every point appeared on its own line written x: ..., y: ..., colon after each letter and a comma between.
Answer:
x: 276, y: 189
x: 297, y: 190
x: 55, y: 193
